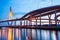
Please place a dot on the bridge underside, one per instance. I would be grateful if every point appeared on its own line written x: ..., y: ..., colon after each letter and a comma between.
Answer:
x: 44, y: 27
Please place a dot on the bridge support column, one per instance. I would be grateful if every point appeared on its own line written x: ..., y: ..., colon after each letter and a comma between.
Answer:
x: 24, y: 22
x: 21, y: 23
x: 8, y: 23
x: 36, y: 21
x: 40, y: 19
x: 15, y: 23
x: 49, y: 16
x: 55, y: 18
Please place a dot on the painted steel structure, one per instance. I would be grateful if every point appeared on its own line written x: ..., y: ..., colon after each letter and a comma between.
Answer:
x: 36, y: 15
x: 33, y: 20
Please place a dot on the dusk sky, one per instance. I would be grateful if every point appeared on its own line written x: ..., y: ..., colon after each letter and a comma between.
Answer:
x: 21, y: 7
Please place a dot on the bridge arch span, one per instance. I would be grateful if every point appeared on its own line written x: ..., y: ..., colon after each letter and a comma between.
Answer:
x: 42, y: 12
x: 37, y: 15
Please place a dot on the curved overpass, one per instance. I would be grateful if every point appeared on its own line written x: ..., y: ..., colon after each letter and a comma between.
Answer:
x: 42, y: 12
x: 27, y: 20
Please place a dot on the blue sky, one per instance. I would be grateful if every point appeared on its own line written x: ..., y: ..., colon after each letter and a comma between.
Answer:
x: 21, y: 7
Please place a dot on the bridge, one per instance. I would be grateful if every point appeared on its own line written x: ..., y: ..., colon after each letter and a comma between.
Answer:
x: 40, y: 19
